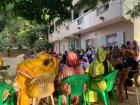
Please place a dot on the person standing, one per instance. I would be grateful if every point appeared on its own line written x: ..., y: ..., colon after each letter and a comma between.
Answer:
x: 135, y: 49
x: 135, y: 46
x: 64, y: 57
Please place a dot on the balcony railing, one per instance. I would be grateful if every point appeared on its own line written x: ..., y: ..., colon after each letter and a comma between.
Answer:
x: 102, y: 9
x: 80, y: 21
x: 94, y: 18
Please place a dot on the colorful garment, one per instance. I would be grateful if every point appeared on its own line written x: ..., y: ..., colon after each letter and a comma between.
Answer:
x: 6, y: 94
x: 97, y: 70
x: 72, y: 68
x: 1, y: 62
x: 41, y: 65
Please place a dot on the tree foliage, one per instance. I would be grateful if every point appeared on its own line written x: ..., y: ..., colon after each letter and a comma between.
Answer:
x: 135, y: 12
x: 15, y: 31
x: 42, y: 43
x: 28, y: 35
x: 19, y: 33
x: 19, y: 20
x: 4, y: 3
x: 92, y: 3
x: 45, y: 11
x: 42, y: 10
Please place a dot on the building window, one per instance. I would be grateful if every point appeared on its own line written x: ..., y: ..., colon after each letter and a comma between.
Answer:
x: 120, y: 38
x: 112, y: 40
x: 102, y: 9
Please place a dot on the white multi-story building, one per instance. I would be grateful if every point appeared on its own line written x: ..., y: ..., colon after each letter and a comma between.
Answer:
x: 106, y: 25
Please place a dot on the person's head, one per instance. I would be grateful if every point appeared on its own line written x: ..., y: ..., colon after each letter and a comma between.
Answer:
x: 110, y: 47
x: 82, y: 51
x: 128, y: 44
x: 60, y: 54
x: 103, y: 47
x: 32, y: 52
x: 72, y: 59
x: 42, y: 49
x: 116, y: 48
x: 123, y: 46
x: 80, y: 59
x: 100, y: 55
x: 134, y: 43
x: 55, y: 55
x: 66, y: 52
x: 89, y: 49
x: 51, y: 51
x: 85, y: 59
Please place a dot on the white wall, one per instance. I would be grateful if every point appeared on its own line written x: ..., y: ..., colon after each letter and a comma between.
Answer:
x: 91, y: 20
x: 126, y: 27
x: 87, y: 36
x: 64, y: 45
x: 61, y: 46
x: 137, y: 31
x: 123, y: 26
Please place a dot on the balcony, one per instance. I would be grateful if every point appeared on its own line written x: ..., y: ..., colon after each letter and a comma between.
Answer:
x: 102, y: 16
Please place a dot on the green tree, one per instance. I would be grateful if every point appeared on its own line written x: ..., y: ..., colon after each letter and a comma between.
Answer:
x: 92, y: 3
x: 135, y: 12
x: 42, y: 10
x: 42, y: 43
x: 31, y: 35
x: 19, y: 20
x: 4, y: 3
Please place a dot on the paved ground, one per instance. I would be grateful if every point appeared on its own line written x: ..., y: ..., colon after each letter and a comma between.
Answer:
x: 131, y: 101
x: 13, y: 62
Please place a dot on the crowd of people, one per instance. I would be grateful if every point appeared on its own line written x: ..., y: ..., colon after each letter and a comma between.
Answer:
x: 100, y: 61
x: 114, y: 55
x: 95, y: 62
